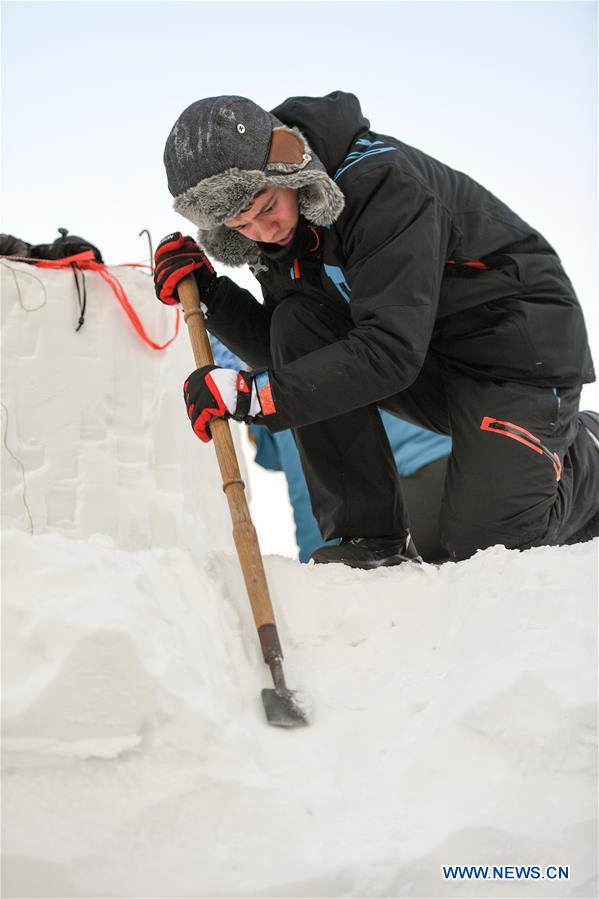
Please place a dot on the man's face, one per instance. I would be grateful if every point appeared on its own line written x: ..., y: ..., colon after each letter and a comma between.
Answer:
x: 271, y: 217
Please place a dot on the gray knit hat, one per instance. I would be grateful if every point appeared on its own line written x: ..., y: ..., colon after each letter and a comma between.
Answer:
x: 217, y: 160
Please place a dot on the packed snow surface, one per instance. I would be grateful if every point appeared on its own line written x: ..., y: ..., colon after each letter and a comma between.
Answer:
x: 452, y: 724
x: 454, y: 708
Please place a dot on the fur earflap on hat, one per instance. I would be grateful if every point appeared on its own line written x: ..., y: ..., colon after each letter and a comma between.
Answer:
x: 217, y: 161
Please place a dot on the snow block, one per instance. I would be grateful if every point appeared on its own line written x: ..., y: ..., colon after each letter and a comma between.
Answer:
x: 95, y: 433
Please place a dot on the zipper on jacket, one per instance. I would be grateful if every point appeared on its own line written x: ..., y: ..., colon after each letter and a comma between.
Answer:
x: 507, y: 429
x: 295, y: 271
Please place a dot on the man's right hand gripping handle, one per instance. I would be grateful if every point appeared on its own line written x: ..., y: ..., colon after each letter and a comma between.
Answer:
x: 175, y: 258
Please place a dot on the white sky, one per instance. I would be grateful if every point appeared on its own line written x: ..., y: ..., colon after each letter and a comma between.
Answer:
x: 505, y: 91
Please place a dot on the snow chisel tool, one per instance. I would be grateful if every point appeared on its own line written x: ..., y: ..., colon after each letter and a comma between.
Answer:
x: 282, y: 705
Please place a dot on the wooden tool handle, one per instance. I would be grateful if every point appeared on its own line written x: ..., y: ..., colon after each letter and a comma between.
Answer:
x: 244, y: 533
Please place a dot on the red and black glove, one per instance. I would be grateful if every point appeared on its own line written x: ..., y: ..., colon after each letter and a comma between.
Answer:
x: 175, y: 258
x: 212, y: 392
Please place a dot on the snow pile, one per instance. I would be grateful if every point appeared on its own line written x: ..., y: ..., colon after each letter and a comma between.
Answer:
x: 453, y: 724
x: 454, y: 707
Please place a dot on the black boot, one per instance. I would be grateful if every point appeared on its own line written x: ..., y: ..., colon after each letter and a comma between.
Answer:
x: 368, y: 552
x: 590, y: 530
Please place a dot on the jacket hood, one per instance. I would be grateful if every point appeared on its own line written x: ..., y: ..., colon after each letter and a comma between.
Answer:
x: 343, y: 119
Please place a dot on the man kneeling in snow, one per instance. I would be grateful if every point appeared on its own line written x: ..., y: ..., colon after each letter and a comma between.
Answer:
x: 389, y: 280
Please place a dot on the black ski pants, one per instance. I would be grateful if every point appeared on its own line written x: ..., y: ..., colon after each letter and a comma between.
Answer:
x: 522, y: 472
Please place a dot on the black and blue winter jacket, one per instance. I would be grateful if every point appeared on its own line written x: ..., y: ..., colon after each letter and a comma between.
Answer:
x: 424, y: 260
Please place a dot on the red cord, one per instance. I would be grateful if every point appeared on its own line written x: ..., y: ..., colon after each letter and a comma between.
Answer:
x: 87, y: 260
